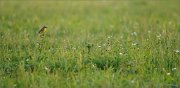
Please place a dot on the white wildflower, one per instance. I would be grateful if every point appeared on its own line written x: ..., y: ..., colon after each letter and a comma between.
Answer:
x: 159, y: 36
x: 177, y: 51
x: 173, y: 69
x: 37, y: 44
x: 93, y: 66
x: 46, y: 68
x: 99, y: 46
x: 133, y: 81
x: 168, y: 74
x: 134, y: 33
x: 27, y: 60
x: 134, y: 44
x: 120, y: 53
x: 109, y: 37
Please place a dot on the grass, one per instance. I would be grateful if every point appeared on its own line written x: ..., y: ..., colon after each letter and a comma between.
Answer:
x: 98, y: 44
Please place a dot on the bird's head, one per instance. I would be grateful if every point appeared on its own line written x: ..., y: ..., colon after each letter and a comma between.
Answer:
x: 45, y: 28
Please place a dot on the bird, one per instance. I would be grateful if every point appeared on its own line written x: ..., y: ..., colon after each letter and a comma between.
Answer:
x: 43, y: 29
x: 41, y: 32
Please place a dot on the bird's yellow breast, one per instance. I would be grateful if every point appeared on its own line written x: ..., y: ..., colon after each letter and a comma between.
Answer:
x: 45, y: 29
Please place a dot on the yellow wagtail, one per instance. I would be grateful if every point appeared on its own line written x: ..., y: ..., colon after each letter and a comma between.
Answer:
x: 43, y: 29
x: 41, y: 32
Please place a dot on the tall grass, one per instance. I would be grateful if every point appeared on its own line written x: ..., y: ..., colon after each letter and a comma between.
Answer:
x: 98, y: 44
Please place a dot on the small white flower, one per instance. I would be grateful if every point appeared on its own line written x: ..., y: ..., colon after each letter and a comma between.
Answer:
x: 177, y: 51
x: 120, y: 53
x: 168, y: 74
x: 109, y: 37
x: 27, y: 59
x: 134, y: 33
x: 133, y: 81
x: 93, y: 65
x: 134, y: 44
x: 46, y: 68
x: 159, y: 36
x: 173, y: 69
x: 37, y: 44
x: 99, y: 46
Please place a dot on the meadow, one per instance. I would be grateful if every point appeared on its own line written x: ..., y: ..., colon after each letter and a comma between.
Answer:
x: 90, y: 44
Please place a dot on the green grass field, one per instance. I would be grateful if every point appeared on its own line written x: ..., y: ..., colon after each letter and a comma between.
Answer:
x: 98, y: 44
